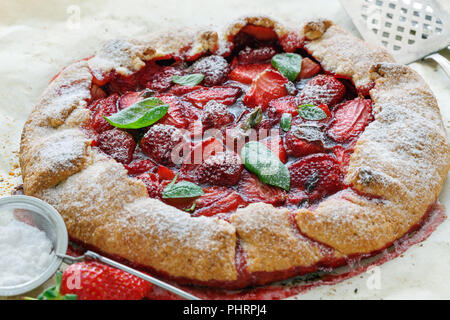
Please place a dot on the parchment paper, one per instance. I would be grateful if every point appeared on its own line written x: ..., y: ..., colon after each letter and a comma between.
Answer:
x: 38, y: 38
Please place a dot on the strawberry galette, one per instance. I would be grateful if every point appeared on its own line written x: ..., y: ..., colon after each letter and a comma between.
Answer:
x: 241, y: 159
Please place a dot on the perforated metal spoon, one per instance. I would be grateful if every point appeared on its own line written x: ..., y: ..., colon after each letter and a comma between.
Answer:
x: 94, y: 256
x: 409, y: 29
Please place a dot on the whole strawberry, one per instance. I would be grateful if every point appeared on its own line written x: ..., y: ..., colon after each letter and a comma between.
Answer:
x: 96, y: 281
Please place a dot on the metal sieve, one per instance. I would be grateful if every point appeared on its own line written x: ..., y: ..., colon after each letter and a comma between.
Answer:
x: 43, y: 216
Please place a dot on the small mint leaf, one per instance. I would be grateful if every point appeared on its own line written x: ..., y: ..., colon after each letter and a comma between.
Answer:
x: 285, y: 122
x: 311, y: 112
x: 189, y: 79
x: 183, y: 189
x: 139, y: 115
x: 258, y: 159
x: 288, y: 64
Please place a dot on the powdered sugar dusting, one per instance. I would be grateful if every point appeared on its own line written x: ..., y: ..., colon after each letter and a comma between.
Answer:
x: 124, y: 56
x: 164, y: 221
x: 25, y: 251
x: 405, y: 151
x: 63, y: 149
x: 71, y: 89
x: 353, y: 58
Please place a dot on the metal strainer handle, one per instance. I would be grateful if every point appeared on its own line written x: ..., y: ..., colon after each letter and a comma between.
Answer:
x: 442, y: 61
x: 115, y: 264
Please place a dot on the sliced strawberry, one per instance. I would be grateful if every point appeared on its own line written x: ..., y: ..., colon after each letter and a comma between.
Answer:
x: 364, y: 89
x: 309, y: 69
x: 246, y: 73
x: 139, y: 166
x: 121, y: 84
x: 350, y: 119
x: 118, y: 144
x: 163, y: 143
x: 287, y: 104
x: 253, y: 190
x: 291, y: 41
x: 223, y: 169
x: 298, y: 147
x: 322, y: 89
x: 199, y: 153
x: 222, y: 94
x: 165, y: 173
x: 103, y: 107
x: 258, y: 55
x: 216, y: 115
x: 129, y: 99
x: 180, y: 114
x: 162, y: 80
x: 275, y: 144
x: 214, y: 68
x: 297, y: 196
x: 267, y: 86
x: 152, y: 184
x: 181, y: 90
x: 260, y: 33
x: 318, y: 175
x: 218, y: 200
x: 97, y: 92
x: 343, y: 156
x: 325, y: 108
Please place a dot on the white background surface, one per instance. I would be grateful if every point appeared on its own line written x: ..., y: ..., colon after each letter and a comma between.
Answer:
x: 38, y: 38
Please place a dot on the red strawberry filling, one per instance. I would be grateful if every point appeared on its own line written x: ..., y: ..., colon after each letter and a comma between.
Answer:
x: 223, y: 169
x: 350, y: 119
x: 253, y: 190
x: 215, y: 70
x: 241, y: 97
x: 323, y: 89
x: 118, y: 144
x: 267, y: 86
x: 222, y: 94
x: 216, y: 115
x: 218, y: 200
x: 317, y: 175
x: 246, y: 73
x: 160, y: 143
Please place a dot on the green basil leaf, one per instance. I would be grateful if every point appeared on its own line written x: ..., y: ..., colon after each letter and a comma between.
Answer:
x: 253, y: 119
x: 141, y: 114
x: 183, y: 189
x: 189, y: 79
x: 285, y: 122
x: 265, y: 164
x: 311, y: 112
x: 289, y: 64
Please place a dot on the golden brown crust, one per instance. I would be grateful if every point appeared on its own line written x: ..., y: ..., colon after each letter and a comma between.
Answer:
x: 155, y: 234
x: 313, y: 30
x: 403, y: 156
x: 128, y: 56
x: 54, y: 158
x: 271, y: 241
x: 343, y: 54
x: 403, y: 152
x: 261, y: 21
x: 92, y: 196
x: 105, y: 208
x: 352, y: 224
